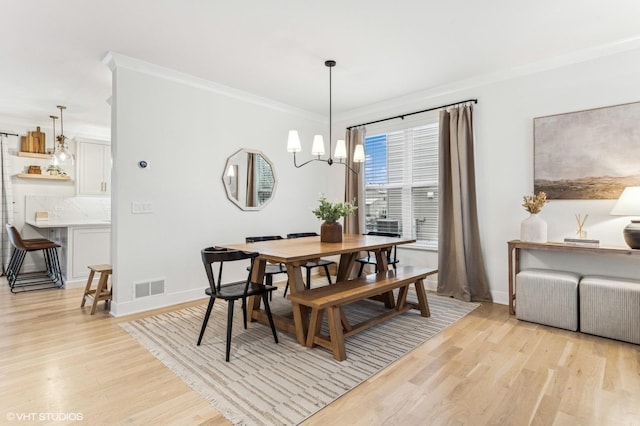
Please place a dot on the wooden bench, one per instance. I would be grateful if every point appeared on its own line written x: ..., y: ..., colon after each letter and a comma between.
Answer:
x: 332, y: 298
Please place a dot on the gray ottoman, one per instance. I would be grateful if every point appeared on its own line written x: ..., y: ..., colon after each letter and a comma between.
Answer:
x: 610, y: 307
x: 548, y: 297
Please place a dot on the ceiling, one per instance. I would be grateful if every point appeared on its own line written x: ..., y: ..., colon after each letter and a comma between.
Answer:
x: 52, y: 51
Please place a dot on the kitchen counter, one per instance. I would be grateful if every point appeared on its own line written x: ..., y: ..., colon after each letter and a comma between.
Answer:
x: 65, y: 223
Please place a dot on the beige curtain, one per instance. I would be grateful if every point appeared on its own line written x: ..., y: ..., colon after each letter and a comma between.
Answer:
x: 354, y: 189
x: 461, y: 271
x: 251, y: 179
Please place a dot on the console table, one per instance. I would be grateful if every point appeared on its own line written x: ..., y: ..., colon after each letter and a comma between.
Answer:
x: 514, y: 258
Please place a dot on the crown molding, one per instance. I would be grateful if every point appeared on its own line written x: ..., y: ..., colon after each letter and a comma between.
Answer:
x: 116, y: 60
x: 392, y: 105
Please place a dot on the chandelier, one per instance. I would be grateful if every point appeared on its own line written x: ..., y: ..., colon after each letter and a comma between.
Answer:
x: 317, y: 148
x: 61, y: 154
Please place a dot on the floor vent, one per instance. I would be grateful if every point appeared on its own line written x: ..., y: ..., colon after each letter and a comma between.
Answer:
x: 148, y: 288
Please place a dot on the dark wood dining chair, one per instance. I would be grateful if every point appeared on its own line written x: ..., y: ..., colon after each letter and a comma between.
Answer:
x: 232, y: 291
x: 318, y: 263
x: 392, y: 259
x: 270, y: 269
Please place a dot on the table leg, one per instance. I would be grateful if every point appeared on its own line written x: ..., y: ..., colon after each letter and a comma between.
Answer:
x: 381, y: 261
x: 300, y: 313
x: 257, y: 276
x: 347, y: 260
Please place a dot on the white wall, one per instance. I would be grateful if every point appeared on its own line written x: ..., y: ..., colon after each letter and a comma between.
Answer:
x: 504, y: 157
x: 185, y: 129
x: 186, y: 132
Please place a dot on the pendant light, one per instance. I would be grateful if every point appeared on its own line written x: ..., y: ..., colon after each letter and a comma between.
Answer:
x: 317, y: 148
x: 61, y: 155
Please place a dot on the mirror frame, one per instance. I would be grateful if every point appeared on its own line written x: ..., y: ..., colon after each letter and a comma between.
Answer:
x: 227, y: 189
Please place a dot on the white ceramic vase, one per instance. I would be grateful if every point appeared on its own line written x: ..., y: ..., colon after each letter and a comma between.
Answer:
x: 533, y: 229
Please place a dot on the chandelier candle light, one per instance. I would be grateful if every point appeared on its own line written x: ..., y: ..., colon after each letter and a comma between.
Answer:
x: 317, y: 149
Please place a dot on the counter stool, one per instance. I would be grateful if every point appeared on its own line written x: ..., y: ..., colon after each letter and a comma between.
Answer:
x: 102, y: 292
x: 50, y: 277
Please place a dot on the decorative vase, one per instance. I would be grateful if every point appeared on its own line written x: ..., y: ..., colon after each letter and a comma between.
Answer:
x: 533, y: 229
x: 331, y: 232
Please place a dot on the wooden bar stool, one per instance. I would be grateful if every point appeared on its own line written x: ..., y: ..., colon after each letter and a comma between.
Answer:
x: 102, y: 292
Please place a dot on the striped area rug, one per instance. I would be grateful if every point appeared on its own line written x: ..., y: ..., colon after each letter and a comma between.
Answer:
x: 283, y: 384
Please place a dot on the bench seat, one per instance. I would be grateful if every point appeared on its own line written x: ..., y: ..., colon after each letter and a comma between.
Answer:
x: 332, y: 298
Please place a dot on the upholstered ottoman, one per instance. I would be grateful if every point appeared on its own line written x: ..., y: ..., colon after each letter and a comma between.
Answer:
x: 610, y: 307
x: 548, y: 297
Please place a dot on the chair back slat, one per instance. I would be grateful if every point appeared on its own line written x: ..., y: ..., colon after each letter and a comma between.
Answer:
x: 302, y: 234
x: 263, y: 238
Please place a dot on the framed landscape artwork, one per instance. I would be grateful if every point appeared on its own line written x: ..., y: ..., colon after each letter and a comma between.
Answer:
x: 591, y: 154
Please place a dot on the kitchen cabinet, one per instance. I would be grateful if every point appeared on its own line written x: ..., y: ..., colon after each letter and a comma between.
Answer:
x: 94, y: 168
x: 81, y: 244
x: 87, y: 246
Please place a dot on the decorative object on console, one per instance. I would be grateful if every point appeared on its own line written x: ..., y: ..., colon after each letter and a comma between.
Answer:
x: 629, y: 205
x: 570, y: 148
x: 331, y: 230
x: 534, y: 229
x: 581, y: 233
x: 317, y: 149
x: 61, y: 153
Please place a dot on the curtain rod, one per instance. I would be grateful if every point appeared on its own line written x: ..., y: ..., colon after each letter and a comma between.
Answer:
x: 8, y: 134
x: 475, y: 101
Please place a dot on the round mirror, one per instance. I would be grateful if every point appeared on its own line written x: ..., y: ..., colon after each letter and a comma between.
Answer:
x: 249, y: 179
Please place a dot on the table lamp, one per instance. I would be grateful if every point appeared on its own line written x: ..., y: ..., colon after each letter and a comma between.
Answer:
x: 629, y: 205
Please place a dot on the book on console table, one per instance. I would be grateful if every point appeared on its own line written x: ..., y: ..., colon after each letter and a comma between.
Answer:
x: 581, y: 242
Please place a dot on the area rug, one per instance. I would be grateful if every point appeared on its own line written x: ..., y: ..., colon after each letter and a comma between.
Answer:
x: 283, y: 384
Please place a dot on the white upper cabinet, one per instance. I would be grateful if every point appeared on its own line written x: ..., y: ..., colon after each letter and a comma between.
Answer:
x: 94, y: 168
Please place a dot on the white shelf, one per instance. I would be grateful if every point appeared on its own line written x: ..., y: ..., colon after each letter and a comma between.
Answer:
x: 34, y: 155
x: 45, y: 177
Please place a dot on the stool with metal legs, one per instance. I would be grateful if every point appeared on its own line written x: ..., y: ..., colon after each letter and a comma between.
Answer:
x: 50, y: 277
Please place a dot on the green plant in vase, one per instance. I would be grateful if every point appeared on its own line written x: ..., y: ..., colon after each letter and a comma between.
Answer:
x: 331, y: 230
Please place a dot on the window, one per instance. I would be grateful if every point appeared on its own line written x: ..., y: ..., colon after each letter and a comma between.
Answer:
x: 401, y: 183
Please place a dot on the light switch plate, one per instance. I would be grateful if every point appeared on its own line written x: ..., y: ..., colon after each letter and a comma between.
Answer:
x: 141, y: 207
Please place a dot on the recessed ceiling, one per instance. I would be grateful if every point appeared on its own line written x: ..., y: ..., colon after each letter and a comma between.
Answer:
x: 52, y: 51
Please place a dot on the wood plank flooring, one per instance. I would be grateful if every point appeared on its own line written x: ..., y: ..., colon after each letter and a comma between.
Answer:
x: 489, y: 368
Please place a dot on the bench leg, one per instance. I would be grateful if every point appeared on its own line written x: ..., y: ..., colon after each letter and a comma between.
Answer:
x: 345, y: 322
x: 335, y: 332
x: 402, y: 297
x: 422, y: 299
x: 314, y: 326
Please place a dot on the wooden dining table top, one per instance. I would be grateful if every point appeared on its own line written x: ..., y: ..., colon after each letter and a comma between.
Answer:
x: 307, y: 248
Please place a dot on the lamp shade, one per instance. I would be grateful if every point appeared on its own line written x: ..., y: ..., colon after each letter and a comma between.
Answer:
x: 341, y: 150
x: 318, y: 145
x: 358, y: 154
x: 293, y: 143
x: 629, y: 202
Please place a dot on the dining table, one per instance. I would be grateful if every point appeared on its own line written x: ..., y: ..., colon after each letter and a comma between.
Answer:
x: 296, y: 252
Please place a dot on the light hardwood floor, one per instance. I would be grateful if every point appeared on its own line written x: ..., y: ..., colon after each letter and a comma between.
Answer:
x: 488, y: 368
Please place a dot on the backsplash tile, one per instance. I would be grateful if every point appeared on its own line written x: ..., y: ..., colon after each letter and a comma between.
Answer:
x: 68, y: 208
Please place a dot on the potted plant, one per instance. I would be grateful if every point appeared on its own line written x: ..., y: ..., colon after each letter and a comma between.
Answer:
x: 54, y: 170
x: 331, y: 230
x: 534, y: 229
